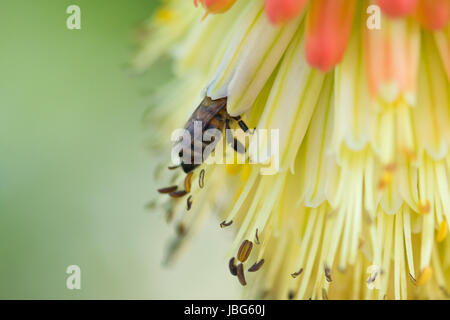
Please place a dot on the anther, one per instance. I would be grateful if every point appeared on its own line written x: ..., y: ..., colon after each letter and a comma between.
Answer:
x: 296, y: 274
x: 256, y: 266
x: 187, y: 182
x: 244, y: 250
x: 224, y: 224
x: 168, y: 189
x: 189, y: 203
x: 256, y: 236
x: 240, y: 274
x: 232, y: 266
x: 201, y: 179
x: 178, y: 194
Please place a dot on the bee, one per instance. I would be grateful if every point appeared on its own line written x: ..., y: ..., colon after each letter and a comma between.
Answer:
x: 211, y: 114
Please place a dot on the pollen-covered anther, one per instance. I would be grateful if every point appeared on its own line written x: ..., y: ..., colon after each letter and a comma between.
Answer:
x: 424, y: 207
x: 244, y: 250
x: 424, y: 276
x: 442, y: 232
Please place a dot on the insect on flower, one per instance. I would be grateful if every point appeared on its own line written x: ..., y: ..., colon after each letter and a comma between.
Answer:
x: 209, y: 115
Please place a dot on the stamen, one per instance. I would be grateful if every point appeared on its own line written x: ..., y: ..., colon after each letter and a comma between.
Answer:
x: 232, y: 266
x: 256, y: 236
x: 201, y: 179
x: 244, y: 250
x: 256, y: 266
x: 240, y: 274
x: 187, y: 182
x: 178, y: 194
x: 296, y: 274
x: 224, y: 224
x: 168, y: 189
x: 424, y: 276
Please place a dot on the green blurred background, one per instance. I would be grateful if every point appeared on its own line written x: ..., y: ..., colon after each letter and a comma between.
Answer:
x: 75, y: 174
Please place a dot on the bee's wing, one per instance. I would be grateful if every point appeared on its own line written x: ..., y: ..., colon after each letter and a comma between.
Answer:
x: 206, y: 111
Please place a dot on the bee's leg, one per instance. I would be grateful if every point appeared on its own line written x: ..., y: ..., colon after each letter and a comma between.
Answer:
x: 243, y: 125
x: 237, y: 146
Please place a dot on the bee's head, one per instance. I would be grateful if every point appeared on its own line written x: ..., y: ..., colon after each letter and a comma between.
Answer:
x: 188, y: 167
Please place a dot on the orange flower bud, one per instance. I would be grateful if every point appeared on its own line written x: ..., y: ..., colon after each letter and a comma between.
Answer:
x: 397, y: 8
x: 328, y: 31
x: 433, y: 14
x: 281, y: 11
